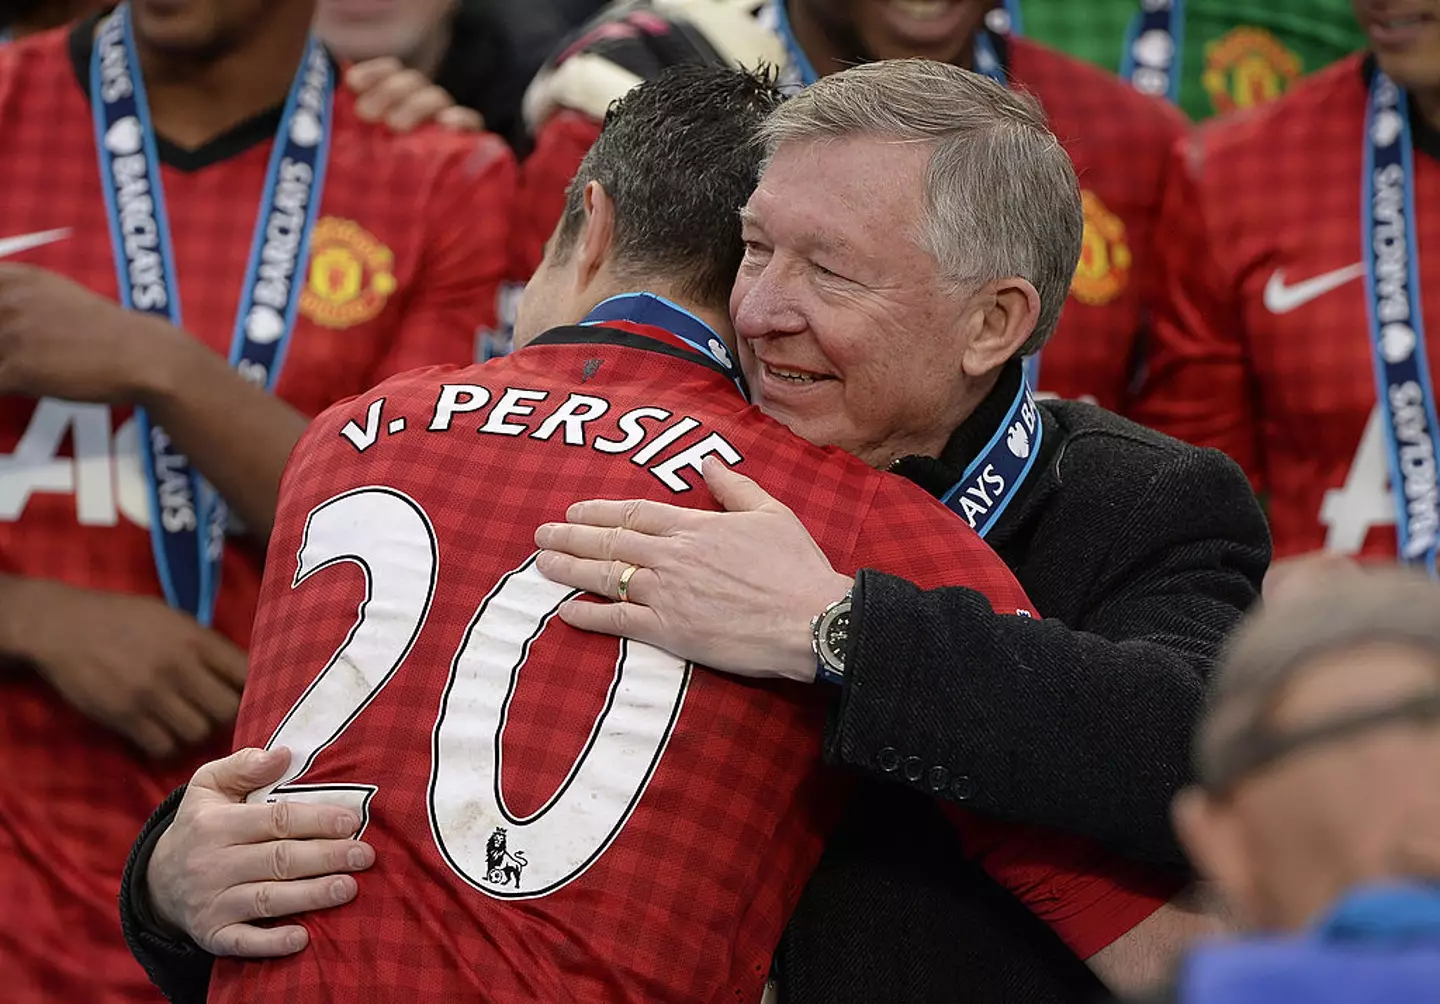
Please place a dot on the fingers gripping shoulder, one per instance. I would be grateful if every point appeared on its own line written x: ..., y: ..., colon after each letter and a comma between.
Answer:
x: 633, y: 41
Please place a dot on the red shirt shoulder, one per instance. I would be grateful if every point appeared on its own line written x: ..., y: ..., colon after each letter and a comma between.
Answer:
x: 1119, y: 140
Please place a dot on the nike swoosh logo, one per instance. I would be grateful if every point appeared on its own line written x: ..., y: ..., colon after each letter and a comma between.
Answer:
x: 1281, y: 299
x: 14, y: 245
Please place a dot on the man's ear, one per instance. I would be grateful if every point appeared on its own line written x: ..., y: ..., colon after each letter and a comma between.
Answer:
x: 593, y: 245
x: 1212, y: 836
x: 1010, y: 309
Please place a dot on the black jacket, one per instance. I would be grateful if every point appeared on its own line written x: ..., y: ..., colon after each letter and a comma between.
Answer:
x: 1142, y: 554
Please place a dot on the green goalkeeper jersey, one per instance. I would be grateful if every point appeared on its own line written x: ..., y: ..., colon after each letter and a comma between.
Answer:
x: 1232, y: 53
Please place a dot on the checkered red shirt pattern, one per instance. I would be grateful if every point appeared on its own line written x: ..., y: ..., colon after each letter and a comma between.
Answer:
x: 1272, y: 200
x: 1118, y: 140
x: 688, y: 901
x: 72, y: 797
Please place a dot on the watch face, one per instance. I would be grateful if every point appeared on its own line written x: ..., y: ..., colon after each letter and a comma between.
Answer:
x: 837, y: 637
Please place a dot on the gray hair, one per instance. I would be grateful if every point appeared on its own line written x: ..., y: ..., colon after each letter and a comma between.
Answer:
x: 1275, y: 646
x: 1001, y: 194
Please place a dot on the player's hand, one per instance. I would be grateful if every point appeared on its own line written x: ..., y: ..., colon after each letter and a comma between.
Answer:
x: 735, y: 590
x: 224, y: 863
x: 131, y: 663
x: 633, y: 41
x: 58, y: 339
x: 405, y: 99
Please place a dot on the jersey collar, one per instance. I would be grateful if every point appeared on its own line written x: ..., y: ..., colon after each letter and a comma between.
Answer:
x: 252, y: 132
x: 653, y: 324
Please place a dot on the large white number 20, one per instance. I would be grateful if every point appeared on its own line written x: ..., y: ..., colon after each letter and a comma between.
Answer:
x: 505, y: 856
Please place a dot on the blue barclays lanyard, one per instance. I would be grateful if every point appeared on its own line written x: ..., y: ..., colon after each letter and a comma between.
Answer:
x: 1150, y: 61
x: 658, y: 312
x: 1390, y: 252
x: 993, y: 479
x: 187, y: 517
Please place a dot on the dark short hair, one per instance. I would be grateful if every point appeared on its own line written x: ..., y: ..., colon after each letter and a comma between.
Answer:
x: 678, y: 157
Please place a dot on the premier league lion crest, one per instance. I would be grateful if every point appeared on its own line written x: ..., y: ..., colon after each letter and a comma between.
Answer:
x: 501, y: 866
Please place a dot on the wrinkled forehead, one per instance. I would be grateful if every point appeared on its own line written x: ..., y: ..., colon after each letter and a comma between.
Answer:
x: 850, y: 190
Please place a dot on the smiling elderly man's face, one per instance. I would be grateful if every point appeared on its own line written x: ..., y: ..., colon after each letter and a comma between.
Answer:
x: 848, y: 333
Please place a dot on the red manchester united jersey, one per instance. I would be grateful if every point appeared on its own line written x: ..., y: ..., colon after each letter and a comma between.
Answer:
x: 1119, y: 140
x: 405, y: 257
x: 1263, y: 345
x: 558, y: 816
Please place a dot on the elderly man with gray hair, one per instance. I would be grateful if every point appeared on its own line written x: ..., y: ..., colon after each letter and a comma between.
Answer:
x: 1318, y: 801
x: 910, y: 241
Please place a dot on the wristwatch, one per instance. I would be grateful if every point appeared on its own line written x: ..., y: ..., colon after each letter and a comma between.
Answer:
x: 830, y: 638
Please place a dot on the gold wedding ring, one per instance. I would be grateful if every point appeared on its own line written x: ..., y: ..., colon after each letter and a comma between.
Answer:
x: 625, y: 577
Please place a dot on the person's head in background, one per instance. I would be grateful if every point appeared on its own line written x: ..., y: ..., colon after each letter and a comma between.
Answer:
x: 1405, y: 38
x: 654, y: 205
x: 416, y: 32
x: 1318, y: 757
x: 839, y: 33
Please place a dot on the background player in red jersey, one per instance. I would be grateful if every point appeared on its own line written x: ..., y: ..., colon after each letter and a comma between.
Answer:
x: 1118, y: 138
x: 1301, y: 269
x: 108, y: 409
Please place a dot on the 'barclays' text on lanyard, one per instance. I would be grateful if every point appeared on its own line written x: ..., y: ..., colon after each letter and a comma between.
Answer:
x: 1397, y: 330
x: 187, y: 517
x: 994, y: 477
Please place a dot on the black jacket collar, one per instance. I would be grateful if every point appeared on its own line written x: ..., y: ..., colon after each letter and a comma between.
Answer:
x: 937, y: 475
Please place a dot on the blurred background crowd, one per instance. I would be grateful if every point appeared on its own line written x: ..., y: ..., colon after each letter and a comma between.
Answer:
x: 1260, y: 184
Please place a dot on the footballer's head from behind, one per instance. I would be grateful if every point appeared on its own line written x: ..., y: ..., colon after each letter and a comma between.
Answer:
x: 654, y: 206
x: 205, y: 31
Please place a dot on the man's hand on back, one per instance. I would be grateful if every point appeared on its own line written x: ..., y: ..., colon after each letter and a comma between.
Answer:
x: 131, y: 663
x: 735, y: 590
x: 224, y: 863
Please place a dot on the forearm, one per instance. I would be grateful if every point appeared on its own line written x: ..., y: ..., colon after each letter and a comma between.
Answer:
x: 173, y: 962
x: 18, y: 596
x: 1016, y: 718
x: 234, y: 433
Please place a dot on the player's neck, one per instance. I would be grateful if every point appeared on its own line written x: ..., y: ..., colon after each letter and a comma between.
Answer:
x: 1427, y: 103
x: 431, y: 52
x: 195, y: 99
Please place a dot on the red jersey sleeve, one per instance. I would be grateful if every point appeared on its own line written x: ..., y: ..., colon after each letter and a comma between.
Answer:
x: 466, y: 258
x: 1197, y: 385
x: 1087, y: 895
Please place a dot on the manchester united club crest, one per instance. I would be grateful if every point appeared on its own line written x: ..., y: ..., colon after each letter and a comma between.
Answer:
x: 1104, y: 268
x: 351, y: 275
x: 1247, y: 66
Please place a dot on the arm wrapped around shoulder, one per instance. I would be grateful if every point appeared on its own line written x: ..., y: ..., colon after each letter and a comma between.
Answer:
x: 634, y: 40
